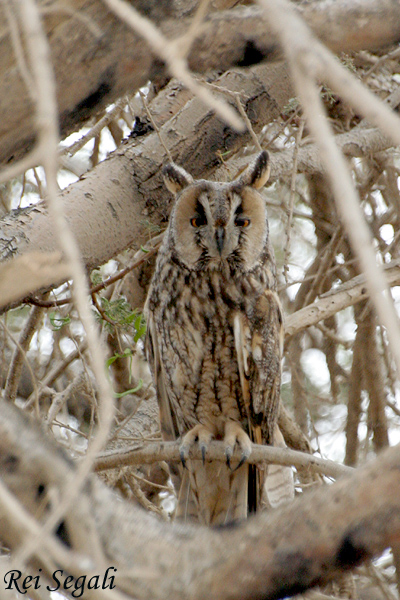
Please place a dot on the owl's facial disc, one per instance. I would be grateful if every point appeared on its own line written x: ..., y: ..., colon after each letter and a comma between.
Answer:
x: 213, y: 224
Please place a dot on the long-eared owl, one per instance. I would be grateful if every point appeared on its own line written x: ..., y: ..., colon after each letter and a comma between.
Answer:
x: 215, y: 336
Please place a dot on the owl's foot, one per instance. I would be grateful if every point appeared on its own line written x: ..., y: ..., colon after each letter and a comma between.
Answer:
x: 234, y: 434
x: 199, y: 434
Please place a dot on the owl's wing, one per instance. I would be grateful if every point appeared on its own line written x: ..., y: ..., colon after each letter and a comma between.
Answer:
x: 168, y: 426
x: 259, y: 343
x: 167, y: 422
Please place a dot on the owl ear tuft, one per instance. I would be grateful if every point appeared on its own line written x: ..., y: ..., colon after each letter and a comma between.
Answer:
x: 257, y: 173
x: 176, y: 178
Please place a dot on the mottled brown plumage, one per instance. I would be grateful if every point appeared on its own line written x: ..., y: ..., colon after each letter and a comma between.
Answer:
x: 215, y: 336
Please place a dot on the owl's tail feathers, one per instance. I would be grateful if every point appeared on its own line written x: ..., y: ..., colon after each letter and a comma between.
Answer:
x: 212, y: 494
x: 186, y: 508
x: 279, y: 483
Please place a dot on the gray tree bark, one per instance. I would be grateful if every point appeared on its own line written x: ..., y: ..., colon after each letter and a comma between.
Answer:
x: 97, y: 58
x: 107, y: 208
x: 270, y: 556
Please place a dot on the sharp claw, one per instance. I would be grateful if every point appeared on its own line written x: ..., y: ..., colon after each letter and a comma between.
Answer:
x: 203, y: 452
x: 182, y: 455
x: 228, y: 454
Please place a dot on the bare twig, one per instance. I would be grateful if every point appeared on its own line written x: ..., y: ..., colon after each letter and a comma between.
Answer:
x: 140, y: 257
x: 95, y: 130
x: 331, y: 302
x: 168, y: 51
x: 291, y: 200
x: 23, y: 354
x: 187, y: 39
x: 247, y: 122
x: 155, y: 126
x: 47, y: 120
x: 56, y: 371
x: 19, y: 356
x: 18, y: 47
x: 137, y: 491
x: 308, y: 60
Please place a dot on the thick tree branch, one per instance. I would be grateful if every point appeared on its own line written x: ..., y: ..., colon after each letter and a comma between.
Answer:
x: 272, y: 555
x: 116, y: 197
x: 110, y: 194
x: 105, y: 59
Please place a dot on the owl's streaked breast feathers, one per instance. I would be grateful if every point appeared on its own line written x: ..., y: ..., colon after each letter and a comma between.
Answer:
x: 215, y: 333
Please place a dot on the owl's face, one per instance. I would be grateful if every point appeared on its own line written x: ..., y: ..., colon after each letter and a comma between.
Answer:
x: 214, y: 223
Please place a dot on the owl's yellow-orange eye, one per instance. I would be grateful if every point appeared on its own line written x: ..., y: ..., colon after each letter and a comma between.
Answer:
x: 242, y: 222
x: 198, y: 221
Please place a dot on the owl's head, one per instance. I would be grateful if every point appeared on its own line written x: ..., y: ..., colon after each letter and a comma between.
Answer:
x: 214, y: 222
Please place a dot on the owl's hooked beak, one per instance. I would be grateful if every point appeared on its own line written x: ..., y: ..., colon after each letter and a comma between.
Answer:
x: 220, y: 238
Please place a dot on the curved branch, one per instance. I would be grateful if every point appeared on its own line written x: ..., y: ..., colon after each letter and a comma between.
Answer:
x: 169, y: 451
x: 272, y: 555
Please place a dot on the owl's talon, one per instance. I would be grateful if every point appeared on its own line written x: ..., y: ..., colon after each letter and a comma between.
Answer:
x: 234, y: 434
x: 199, y: 434
x: 183, y: 457
x: 228, y: 455
x: 203, y: 448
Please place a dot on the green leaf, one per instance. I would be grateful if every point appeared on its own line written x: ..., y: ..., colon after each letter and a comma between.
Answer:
x: 96, y: 277
x: 140, y: 326
x: 58, y: 322
x: 127, y: 353
x: 132, y: 391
